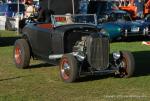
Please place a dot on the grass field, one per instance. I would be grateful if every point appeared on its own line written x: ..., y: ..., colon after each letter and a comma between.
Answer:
x: 42, y: 82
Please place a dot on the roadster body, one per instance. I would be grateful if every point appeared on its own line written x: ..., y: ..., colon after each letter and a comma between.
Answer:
x: 75, y: 42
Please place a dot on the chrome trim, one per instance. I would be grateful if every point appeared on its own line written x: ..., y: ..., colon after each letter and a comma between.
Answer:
x: 55, y: 56
x: 126, y: 33
x: 116, y: 55
x: 78, y: 56
x: 144, y: 31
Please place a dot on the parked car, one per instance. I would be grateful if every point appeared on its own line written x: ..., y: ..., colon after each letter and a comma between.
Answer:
x: 119, y: 24
x: 77, y: 45
x: 9, y: 11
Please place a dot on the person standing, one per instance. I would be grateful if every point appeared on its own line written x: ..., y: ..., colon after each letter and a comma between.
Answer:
x: 29, y: 9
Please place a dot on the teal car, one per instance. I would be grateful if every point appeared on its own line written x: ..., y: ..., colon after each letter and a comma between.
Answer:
x: 118, y: 24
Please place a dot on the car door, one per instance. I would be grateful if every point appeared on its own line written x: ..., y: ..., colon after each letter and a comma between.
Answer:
x: 41, y: 42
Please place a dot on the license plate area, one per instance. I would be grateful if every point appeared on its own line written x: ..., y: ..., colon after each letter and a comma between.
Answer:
x: 135, y: 29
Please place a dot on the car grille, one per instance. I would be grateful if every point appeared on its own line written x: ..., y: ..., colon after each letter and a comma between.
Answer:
x: 98, y: 52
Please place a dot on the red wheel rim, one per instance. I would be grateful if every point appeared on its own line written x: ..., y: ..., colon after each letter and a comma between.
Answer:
x: 65, y: 69
x: 18, y: 58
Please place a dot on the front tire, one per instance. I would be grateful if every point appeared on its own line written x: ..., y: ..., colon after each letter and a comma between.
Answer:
x: 21, y: 53
x: 68, y: 68
x: 127, y: 65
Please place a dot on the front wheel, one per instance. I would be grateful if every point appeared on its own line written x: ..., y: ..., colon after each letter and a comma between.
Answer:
x: 127, y: 64
x: 68, y: 68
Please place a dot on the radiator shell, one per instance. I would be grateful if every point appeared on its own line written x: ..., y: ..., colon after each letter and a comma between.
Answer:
x: 98, y: 52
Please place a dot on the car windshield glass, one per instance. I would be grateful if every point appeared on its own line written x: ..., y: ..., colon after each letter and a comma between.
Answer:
x: 14, y: 7
x: 119, y: 17
x: 59, y: 20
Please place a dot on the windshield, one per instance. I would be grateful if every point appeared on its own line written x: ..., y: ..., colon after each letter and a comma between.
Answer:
x: 58, y: 20
x: 119, y: 17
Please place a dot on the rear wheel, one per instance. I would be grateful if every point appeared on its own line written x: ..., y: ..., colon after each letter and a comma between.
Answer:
x: 127, y: 65
x: 68, y: 68
x: 21, y: 53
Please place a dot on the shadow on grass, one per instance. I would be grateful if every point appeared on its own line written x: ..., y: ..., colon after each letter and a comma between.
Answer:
x: 7, y: 41
x: 81, y: 79
x: 41, y: 65
x: 94, y: 77
x: 142, y: 63
x: 13, y: 78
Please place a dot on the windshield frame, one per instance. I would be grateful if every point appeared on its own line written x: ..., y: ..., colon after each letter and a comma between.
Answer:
x: 74, y: 18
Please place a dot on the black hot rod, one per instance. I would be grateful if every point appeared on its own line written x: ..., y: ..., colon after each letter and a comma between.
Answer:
x: 75, y: 42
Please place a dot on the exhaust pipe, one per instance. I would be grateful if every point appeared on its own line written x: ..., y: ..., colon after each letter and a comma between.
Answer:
x: 55, y: 56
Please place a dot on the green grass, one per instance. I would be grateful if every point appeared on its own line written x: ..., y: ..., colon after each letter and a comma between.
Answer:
x: 42, y: 81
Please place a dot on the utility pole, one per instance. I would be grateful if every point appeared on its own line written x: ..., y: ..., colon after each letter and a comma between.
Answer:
x: 73, y: 9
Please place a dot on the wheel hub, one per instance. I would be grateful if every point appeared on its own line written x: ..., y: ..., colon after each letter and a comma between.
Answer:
x: 18, y: 55
x: 66, y: 67
x: 65, y: 70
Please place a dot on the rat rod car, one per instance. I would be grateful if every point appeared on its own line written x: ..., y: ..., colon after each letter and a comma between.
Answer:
x: 76, y: 43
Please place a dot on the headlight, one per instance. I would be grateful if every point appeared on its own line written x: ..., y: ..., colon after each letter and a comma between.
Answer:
x: 104, y: 32
x: 116, y: 55
x: 135, y: 29
x: 120, y: 30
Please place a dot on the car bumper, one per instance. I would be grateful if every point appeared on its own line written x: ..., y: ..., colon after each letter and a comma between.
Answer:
x: 144, y: 33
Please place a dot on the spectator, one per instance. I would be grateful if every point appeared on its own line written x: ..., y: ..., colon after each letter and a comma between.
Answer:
x: 30, y: 9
